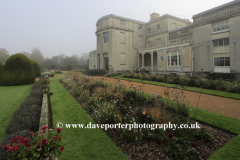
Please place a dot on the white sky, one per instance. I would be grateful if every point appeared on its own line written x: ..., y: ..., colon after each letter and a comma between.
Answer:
x: 68, y: 26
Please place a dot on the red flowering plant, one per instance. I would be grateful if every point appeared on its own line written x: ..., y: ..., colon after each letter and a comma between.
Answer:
x: 39, y: 145
x: 45, y: 81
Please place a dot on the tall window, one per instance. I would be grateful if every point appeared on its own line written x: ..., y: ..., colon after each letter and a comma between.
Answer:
x: 221, y: 52
x: 148, y: 44
x: 140, y: 40
x: 122, y: 23
x: 158, y: 27
x: 220, y: 26
x: 139, y: 26
x: 105, y: 35
x: 148, y: 30
x: 98, y: 37
x: 158, y: 42
x: 174, y: 58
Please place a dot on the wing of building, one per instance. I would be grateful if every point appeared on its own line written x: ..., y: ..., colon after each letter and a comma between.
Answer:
x: 168, y: 44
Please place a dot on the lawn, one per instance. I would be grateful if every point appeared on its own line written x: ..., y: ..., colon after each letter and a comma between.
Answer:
x: 10, y: 100
x: 193, y: 89
x: 79, y: 143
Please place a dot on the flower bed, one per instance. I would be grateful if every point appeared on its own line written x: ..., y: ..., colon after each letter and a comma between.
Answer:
x: 195, y: 81
x: 114, y: 104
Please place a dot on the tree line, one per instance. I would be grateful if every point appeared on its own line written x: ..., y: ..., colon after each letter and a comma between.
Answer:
x: 60, y: 61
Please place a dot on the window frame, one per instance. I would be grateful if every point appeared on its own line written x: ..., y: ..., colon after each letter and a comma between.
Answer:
x: 221, y: 60
x: 220, y: 26
x: 105, y: 39
x: 122, y: 23
x: 159, y: 27
x: 149, y: 31
x: 139, y: 28
x: 177, y: 59
x: 140, y: 41
x: 159, y: 42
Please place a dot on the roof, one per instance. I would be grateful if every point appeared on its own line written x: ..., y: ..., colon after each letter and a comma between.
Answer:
x: 128, y: 19
x: 216, y: 8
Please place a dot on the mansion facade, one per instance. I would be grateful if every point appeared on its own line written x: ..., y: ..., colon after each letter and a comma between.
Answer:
x: 168, y: 44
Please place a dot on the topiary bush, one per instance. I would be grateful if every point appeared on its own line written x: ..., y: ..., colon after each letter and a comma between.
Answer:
x: 1, y: 68
x: 36, y: 68
x: 18, y: 70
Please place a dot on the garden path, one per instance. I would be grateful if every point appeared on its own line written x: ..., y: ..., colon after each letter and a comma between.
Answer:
x: 225, y: 106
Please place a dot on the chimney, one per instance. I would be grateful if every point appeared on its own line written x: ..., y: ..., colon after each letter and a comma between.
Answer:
x: 153, y: 16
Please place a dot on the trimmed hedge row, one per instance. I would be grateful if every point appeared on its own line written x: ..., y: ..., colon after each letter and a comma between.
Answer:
x: 25, y: 119
x: 195, y: 81
x: 36, y: 68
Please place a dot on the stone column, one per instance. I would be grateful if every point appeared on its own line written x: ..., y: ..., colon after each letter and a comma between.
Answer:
x: 158, y: 58
x: 143, y: 59
x: 151, y: 60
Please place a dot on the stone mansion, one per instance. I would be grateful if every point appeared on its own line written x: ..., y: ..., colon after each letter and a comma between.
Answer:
x: 168, y: 44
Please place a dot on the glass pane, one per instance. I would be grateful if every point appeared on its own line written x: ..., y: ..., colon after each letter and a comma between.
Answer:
x: 215, y: 61
x: 226, y: 41
x: 227, y: 61
x: 220, y: 42
x: 215, y: 43
x: 221, y: 61
x: 218, y: 29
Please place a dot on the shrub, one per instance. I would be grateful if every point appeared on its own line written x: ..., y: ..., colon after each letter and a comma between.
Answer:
x: 1, y: 69
x: 170, y: 79
x: 18, y: 70
x: 184, y: 80
x: 41, y: 68
x: 36, y: 68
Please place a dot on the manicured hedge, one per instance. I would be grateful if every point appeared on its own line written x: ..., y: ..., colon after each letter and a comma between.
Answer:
x: 18, y: 70
x: 36, y: 68
x: 1, y: 69
x: 25, y: 119
x: 194, y: 81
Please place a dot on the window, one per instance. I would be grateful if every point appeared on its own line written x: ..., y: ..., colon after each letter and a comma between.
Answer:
x: 221, y: 53
x: 122, y: 38
x: 220, y: 26
x: 122, y: 23
x: 158, y: 42
x: 105, y: 35
x: 98, y: 37
x: 148, y: 30
x: 122, y: 59
x: 174, y: 58
x: 173, y: 42
x: 148, y: 44
x: 140, y: 40
x: 185, y: 40
x: 221, y: 45
x: 158, y: 27
x: 139, y: 26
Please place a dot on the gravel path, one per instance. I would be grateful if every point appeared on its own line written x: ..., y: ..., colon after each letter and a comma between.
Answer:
x: 221, y: 105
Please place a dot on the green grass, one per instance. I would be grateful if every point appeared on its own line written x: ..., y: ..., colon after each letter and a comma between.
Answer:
x: 10, y: 100
x: 79, y: 143
x: 194, y: 89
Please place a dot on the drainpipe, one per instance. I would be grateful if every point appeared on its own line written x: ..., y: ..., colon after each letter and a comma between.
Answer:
x: 134, y: 41
x: 168, y: 30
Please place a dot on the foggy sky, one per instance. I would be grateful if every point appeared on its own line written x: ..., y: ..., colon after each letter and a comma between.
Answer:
x: 68, y: 26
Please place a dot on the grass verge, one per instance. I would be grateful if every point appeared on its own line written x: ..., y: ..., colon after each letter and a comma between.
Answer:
x: 10, y: 100
x: 79, y: 143
x: 193, y: 89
